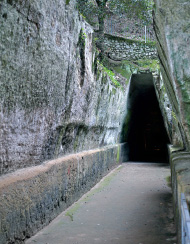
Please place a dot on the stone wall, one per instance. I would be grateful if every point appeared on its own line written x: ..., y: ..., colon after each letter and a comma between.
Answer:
x: 54, y: 97
x: 170, y: 119
x: 171, y: 23
x: 30, y: 198
x: 55, y: 100
x: 119, y: 48
x: 171, y: 20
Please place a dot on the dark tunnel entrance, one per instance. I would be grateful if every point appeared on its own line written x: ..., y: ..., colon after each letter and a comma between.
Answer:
x: 146, y: 135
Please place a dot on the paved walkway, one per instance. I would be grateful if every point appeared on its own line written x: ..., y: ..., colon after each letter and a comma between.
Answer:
x: 132, y: 205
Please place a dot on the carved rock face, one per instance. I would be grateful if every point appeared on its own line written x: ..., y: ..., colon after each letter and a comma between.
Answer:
x: 51, y: 102
x: 172, y: 26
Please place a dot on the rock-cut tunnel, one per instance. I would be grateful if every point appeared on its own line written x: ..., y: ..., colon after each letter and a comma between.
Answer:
x: 144, y: 129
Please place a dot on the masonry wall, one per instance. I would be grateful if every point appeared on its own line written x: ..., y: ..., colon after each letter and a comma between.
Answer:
x: 119, y: 48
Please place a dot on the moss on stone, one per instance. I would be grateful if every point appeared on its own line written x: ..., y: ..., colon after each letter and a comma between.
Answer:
x: 168, y: 180
x: 152, y: 64
x: 114, y: 91
x: 124, y: 72
x: 75, y: 144
x: 187, y: 116
x: 73, y: 210
x: 174, y: 116
x: 111, y: 75
x: 127, y: 68
x: 98, y: 105
x: 59, y: 141
x: 104, y: 79
x: 4, y: 63
x: 118, y: 154
x: 98, y: 73
x: 186, y: 28
x: 67, y: 2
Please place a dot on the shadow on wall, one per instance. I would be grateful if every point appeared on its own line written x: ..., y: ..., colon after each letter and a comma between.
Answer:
x: 144, y: 129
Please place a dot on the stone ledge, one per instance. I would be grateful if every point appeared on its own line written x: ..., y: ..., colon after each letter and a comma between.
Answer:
x: 30, y: 198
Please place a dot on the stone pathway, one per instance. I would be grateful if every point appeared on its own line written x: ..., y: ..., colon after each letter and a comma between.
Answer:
x: 132, y: 205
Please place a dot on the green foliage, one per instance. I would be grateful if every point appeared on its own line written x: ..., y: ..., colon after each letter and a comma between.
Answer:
x: 111, y: 75
x: 67, y: 2
x: 95, y: 39
x: 125, y: 72
x: 152, y: 64
x: 141, y: 9
x: 82, y: 15
x: 127, y: 68
x: 174, y: 116
x: 82, y: 37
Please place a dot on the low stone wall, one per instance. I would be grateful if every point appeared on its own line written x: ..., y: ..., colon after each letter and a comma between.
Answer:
x: 30, y: 198
x: 119, y: 48
x: 180, y: 170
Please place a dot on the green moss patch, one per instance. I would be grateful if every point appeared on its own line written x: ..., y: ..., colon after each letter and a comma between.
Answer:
x: 152, y: 64
x: 124, y: 72
x: 112, y: 76
x: 168, y: 180
x: 73, y: 210
x: 127, y: 68
x: 118, y: 154
x: 67, y: 2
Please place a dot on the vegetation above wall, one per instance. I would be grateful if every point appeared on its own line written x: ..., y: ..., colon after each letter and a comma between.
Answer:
x: 112, y: 76
x: 124, y: 57
x: 100, y: 9
x: 126, y: 68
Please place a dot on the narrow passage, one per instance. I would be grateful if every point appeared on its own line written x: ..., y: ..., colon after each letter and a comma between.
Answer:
x: 132, y: 205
